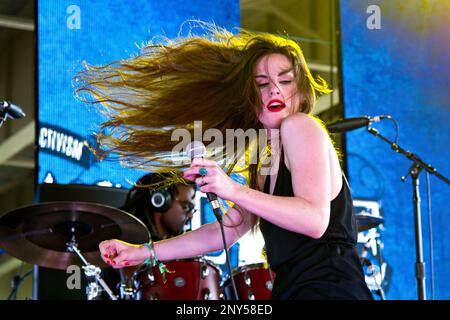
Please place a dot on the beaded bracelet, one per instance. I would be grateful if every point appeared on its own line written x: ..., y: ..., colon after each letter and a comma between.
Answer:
x: 153, y: 261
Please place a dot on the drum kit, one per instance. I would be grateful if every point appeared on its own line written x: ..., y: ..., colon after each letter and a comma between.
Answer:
x: 62, y: 234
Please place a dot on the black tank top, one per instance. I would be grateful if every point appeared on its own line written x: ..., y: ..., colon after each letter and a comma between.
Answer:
x: 283, y: 245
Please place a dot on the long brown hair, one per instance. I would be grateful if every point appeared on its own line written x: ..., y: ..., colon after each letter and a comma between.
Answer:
x: 173, y: 83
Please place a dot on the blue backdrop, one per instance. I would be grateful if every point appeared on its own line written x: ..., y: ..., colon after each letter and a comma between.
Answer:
x: 98, y: 32
x: 70, y: 32
x: 401, y: 69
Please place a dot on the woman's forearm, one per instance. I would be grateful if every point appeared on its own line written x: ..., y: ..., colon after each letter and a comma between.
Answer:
x: 205, y: 239
x: 291, y: 213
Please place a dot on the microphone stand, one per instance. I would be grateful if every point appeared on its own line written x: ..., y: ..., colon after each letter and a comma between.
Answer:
x: 416, y: 168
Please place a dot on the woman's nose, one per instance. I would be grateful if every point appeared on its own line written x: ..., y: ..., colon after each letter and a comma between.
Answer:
x: 274, y: 90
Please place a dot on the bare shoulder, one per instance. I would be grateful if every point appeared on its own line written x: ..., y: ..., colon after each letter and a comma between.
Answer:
x: 301, y: 132
x: 301, y: 124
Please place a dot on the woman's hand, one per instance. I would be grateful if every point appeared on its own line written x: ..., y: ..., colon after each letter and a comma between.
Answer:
x: 211, y: 178
x: 120, y: 254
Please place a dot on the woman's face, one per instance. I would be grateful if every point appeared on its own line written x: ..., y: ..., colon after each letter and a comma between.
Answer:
x: 275, y: 77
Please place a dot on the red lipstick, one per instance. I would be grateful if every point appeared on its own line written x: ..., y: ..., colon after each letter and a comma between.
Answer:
x: 275, y: 105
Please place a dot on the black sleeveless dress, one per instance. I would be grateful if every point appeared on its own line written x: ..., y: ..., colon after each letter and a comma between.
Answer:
x: 307, y: 268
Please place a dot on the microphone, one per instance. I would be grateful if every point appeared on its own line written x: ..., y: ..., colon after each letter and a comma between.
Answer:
x: 11, y: 110
x: 353, y: 123
x: 197, y: 149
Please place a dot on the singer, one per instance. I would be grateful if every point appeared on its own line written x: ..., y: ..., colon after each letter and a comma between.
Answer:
x: 247, y: 80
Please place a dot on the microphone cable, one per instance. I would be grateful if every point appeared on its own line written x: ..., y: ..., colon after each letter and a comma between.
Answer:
x: 217, y: 213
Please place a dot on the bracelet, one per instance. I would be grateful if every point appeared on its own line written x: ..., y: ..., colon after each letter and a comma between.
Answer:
x: 153, y: 261
x: 150, y: 260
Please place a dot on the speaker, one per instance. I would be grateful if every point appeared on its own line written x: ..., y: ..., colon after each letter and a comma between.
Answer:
x: 51, y: 284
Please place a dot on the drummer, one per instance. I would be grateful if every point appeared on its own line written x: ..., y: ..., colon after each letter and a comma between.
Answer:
x: 166, y: 212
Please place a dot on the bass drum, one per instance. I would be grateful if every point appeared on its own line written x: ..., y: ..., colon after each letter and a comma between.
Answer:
x: 190, y: 279
x: 253, y: 282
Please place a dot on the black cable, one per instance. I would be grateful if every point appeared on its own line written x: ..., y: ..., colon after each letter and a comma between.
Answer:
x: 430, y: 230
x: 396, y: 127
x: 222, y: 231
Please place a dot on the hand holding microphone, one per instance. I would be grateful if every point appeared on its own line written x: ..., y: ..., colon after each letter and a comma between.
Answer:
x: 207, y: 174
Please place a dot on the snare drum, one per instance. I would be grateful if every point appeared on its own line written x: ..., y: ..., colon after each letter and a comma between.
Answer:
x: 253, y: 282
x: 192, y: 279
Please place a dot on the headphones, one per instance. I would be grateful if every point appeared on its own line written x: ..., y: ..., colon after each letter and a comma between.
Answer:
x: 161, y: 200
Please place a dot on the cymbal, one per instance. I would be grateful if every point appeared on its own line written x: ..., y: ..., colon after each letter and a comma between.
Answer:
x: 366, y: 221
x: 39, y: 233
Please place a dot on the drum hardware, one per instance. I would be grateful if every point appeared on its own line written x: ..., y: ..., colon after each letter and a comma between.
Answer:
x: 205, y: 272
x: 92, y: 273
x: 149, y: 279
x: 269, y: 285
x: 366, y: 221
x: 129, y: 285
x: 125, y: 286
x: 125, y: 292
x: 61, y: 234
x: 247, y: 279
x: 375, y: 274
x: 16, y: 282
x: 206, y: 294
x: 248, y: 282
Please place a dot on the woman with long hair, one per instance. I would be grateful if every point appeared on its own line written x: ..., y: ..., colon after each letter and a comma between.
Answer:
x: 245, y: 81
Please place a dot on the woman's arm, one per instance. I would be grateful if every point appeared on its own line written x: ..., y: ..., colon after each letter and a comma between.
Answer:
x: 306, y: 146
x: 205, y: 239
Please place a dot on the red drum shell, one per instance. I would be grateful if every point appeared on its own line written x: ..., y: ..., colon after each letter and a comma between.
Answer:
x: 193, y: 279
x: 253, y: 282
